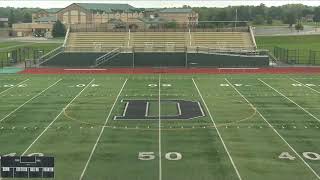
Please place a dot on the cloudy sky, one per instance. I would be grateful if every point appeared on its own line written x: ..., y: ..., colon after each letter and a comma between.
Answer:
x: 155, y: 3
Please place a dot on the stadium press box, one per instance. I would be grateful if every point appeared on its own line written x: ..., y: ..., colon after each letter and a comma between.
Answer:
x: 27, y: 167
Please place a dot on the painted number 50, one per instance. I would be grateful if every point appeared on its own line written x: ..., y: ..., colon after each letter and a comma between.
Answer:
x: 172, y: 156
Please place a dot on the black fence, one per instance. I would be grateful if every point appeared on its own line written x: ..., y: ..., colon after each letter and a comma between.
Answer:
x: 297, y: 56
x: 19, y: 55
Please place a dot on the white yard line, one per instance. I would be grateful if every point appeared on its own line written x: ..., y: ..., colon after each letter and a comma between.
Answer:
x: 224, y: 145
x: 61, y: 112
x: 160, y: 154
x: 290, y: 100
x: 306, y: 86
x: 101, y: 132
x: 29, y: 101
x: 250, y: 104
x: 13, y: 86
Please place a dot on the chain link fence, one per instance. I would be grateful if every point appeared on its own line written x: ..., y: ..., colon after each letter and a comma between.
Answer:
x: 297, y: 56
x: 20, y: 55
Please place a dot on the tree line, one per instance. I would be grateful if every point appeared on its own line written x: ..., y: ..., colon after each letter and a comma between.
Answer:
x: 287, y: 14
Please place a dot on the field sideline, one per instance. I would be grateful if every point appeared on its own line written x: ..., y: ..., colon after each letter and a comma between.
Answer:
x: 249, y: 126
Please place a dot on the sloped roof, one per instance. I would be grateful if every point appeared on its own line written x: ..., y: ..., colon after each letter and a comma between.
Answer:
x: 52, y: 10
x: 47, y: 19
x: 106, y: 7
x: 176, y: 10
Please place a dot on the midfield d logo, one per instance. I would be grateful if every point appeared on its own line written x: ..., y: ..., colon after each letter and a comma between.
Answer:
x: 139, y: 110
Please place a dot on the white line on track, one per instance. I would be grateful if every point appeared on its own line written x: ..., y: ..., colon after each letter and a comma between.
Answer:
x: 101, y: 132
x: 290, y: 100
x: 61, y: 112
x: 14, y: 86
x: 250, y: 104
x: 306, y: 86
x: 29, y: 100
x: 224, y: 145
x: 160, y: 154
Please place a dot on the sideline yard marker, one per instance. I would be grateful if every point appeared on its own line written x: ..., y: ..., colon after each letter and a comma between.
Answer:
x: 13, y: 86
x: 224, y: 145
x: 290, y: 100
x: 285, y: 141
x: 160, y: 154
x: 29, y: 100
x: 63, y: 109
x: 101, y: 132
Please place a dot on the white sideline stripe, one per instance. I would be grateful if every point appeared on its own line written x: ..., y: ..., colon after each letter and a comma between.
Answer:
x: 63, y: 109
x: 101, y: 132
x: 214, y: 124
x: 35, y: 96
x: 273, y: 129
x: 290, y: 100
x: 147, y: 110
x: 238, y: 68
x: 179, y: 108
x: 84, y: 69
x: 202, y: 112
x: 13, y: 86
x: 160, y: 153
x: 125, y: 109
x: 306, y: 86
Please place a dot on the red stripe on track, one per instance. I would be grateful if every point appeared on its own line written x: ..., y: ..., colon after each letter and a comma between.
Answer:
x: 280, y: 70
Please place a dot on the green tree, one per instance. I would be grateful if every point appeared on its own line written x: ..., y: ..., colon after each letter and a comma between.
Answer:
x: 299, y: 26
x: 290, y: 19
x: 171, y: 24
x: 259, y: 19
x: 316, y: 17
x: 269, y: 20
x: 59, y: 30
x: 12, y: 18
x: 27, y: 17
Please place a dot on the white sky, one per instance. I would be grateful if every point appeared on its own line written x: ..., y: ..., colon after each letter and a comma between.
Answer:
x: 155, y: 3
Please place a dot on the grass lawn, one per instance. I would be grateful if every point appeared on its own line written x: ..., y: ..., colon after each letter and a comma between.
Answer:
x: 291, y: 42
x: 303, y: 43
x: 266, y: 126
x: 7, y: 44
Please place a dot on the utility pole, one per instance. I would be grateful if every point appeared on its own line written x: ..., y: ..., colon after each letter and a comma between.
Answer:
x: 235, y: 23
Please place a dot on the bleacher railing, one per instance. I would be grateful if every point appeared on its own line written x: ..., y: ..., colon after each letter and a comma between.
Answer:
x: 66, y: 37
x: 49, y: 55
x: 250, y: 50
x: 106, y: 57
x: 247, y: 51
x: 95, y: 48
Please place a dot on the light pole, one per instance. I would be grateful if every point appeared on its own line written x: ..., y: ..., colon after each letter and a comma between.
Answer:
x: 235, y: 23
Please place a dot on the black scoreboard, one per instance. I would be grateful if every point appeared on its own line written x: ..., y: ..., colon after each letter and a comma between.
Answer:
x: 27, y: 167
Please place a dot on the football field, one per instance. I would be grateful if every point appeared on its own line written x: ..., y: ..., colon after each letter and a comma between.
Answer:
x: 165, y: 127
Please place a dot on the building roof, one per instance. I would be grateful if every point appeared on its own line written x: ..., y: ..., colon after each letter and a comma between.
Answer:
x: 47, y: 19
x: 52, y: 10
x: 176, y: 10
x: 106, y: 7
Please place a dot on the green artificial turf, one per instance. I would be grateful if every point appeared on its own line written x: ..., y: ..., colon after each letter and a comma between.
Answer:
x: 249, y: 121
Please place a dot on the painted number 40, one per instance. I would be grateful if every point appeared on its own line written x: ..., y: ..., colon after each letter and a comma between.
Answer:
x: 172, y: 156
x: 308, y: 155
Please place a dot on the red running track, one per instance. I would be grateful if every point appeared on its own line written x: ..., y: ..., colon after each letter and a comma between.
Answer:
x: 280, y: 70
